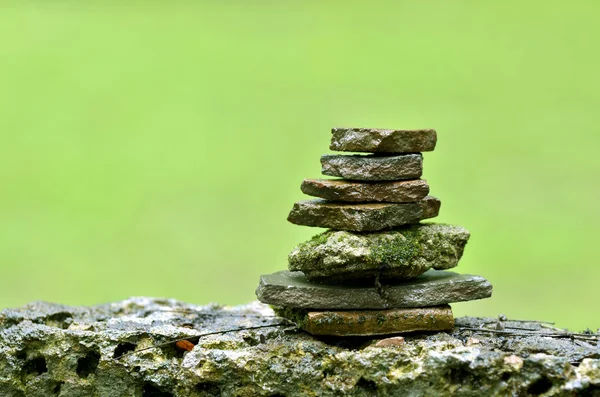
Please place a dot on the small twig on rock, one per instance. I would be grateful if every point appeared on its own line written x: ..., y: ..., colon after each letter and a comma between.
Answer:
x: 200, y: 336
x: 200, y: 313
x: 520, y: 328
x: 531, y: 321
x: 569, y: 335
x: 541, y: 323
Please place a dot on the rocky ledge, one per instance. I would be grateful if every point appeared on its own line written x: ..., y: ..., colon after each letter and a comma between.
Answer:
x: 129, y: 348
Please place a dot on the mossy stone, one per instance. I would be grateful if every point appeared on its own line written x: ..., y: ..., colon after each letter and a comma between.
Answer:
x: 400, y: 254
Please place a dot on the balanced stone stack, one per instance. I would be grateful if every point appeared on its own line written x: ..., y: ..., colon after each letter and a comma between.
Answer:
x: 378, y: 270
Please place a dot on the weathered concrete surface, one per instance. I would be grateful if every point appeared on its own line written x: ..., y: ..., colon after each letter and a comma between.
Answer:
x: 362, y: 217
x: 364, y: 192
x: 373, y: 168
x: 376, y: 140
x: 433, y: 288
x: 370, y: 322
x: 53, y: 350
x: 399, y: 254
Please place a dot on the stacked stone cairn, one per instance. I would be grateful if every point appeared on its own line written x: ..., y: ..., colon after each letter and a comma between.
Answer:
x: 378, y: 270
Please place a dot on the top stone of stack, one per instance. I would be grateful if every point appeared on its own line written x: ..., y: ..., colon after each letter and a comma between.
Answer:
x: 375, y: 140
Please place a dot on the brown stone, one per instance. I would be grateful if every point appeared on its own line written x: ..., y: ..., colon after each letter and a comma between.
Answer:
x: 377, y: 322
x: 389, y: 192
x: 362, y: 217
x: 373, y: 168
x: 375, y: 140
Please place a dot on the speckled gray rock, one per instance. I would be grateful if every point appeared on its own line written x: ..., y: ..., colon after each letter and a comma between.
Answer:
x: 376, y: 140
x: 432, y: 288
x: 362, y: 217
x: 400, y: 254
x: 373, y: 168
x: 364, y: 192
x: 53, y: 350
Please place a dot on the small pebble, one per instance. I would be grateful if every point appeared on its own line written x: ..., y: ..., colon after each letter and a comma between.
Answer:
x: 185, y: 345
x: 395, y: 341
x: 513, y: 361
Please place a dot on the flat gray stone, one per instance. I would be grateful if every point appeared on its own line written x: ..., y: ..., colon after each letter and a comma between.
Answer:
x: 338, y: 256
x: 375, y: 140
x: 373, y: 168
x: 364, y: 192
x: 433, y: 288
x: 362, y: 217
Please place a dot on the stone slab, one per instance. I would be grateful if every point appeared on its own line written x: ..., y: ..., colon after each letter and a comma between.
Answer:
x: 400, y: 254
x: 47, y: 349
x: 371, y: 322
x: 433, y: 288
x: 373, y: 168
x: 364, y: 192
x: 362, y: 217
x: 375, y: 140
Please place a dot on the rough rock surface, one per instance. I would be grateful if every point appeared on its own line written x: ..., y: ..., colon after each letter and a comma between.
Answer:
x: 371, y: 322
x: 364, y: 192
x: 376, y: 140
x: 433, y: 288
x: 362, y: 217
x: 53, y: 350
x: 373, y: 168
x: 400, y: 254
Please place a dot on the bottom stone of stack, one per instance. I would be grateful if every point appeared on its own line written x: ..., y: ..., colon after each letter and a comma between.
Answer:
x: 370, y: 322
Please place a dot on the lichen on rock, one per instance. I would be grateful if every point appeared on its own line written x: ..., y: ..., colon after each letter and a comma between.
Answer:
x: 54, y: 350
x: 400, y: 254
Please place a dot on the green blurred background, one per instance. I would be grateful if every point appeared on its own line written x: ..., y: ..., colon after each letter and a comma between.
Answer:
x: 155, y: 148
